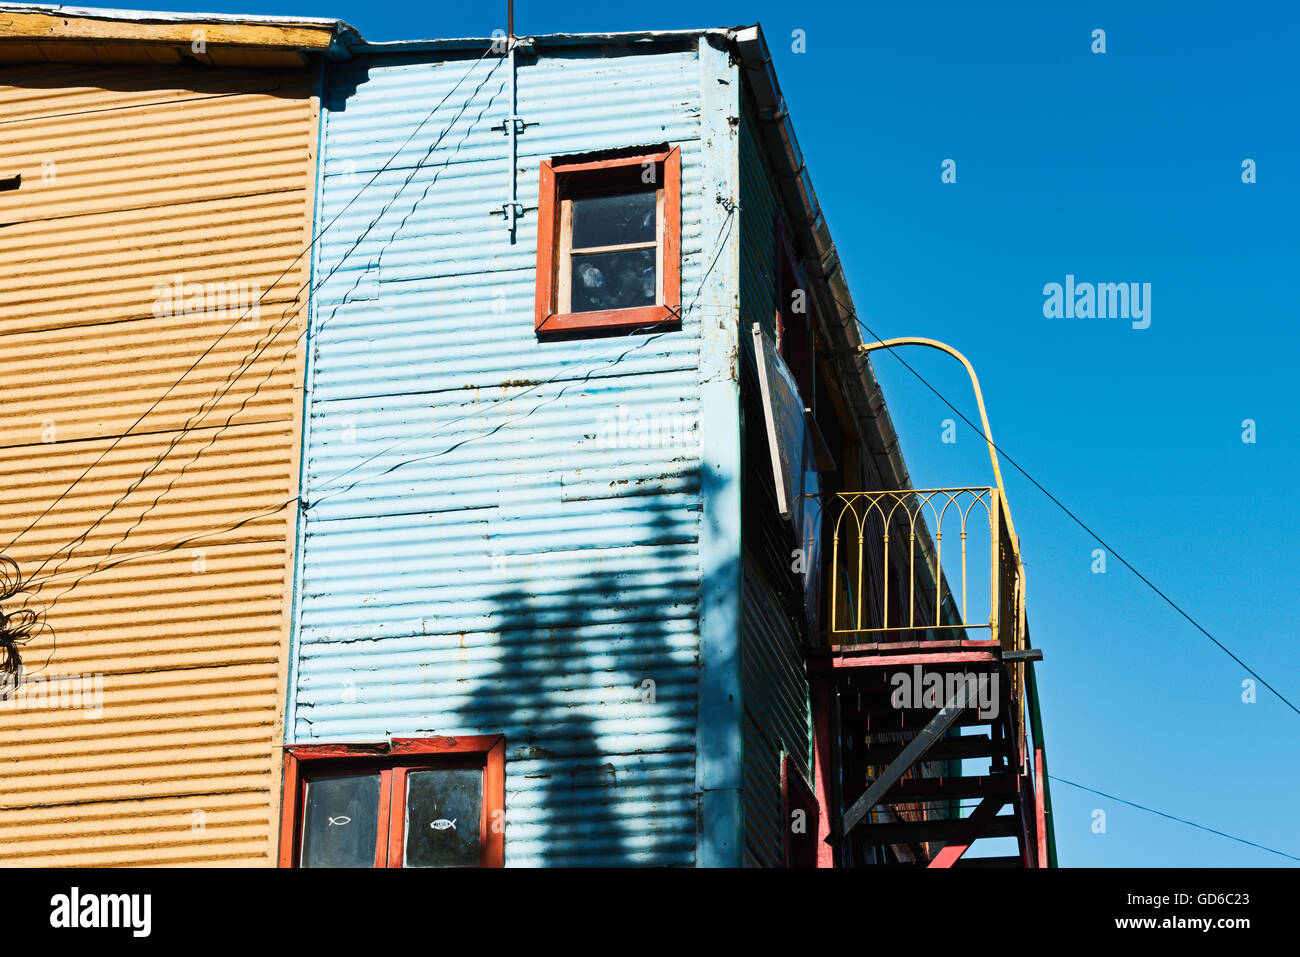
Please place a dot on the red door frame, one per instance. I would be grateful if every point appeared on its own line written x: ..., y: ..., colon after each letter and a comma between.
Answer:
x: 822, y: 689
x: 797, y: 794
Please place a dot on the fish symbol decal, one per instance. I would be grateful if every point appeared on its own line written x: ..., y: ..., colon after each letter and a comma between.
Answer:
x: 340, y: 820
x: 443, y: 824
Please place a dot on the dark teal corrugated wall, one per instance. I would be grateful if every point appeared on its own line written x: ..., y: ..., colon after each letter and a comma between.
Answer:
x: 775, y: 685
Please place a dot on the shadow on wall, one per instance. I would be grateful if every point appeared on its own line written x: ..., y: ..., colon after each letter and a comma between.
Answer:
x: 595, y: 687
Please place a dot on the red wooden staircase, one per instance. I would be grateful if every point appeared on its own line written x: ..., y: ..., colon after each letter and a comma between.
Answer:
x: 922, y: 737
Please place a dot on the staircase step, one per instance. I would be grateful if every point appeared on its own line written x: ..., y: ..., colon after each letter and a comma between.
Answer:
x: 874, y: 682
x: 953, y: 788
x: 988, y: 862
x: 913, y: 720
x: 946, y: 749
x: 916, y: 832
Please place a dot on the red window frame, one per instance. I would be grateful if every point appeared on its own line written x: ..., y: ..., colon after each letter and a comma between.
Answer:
x: 393, y: 759
x: 555, y: 173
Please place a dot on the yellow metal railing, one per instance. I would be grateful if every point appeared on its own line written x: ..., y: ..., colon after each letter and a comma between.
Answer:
x: 915, y: 527
x: 888, y: 576
x: 1006, y: 618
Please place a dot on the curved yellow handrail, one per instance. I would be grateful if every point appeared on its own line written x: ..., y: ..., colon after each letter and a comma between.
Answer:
x: 1018, y: 609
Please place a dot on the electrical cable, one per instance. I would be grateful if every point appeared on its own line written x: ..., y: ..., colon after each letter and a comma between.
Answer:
x: 1075, y: 518
x: 250, y: 358
x: 1171, y: 817
x: 308, y: 248
x: 675, y: 315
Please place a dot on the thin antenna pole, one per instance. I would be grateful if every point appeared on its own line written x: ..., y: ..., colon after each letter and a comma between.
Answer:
x: 512, y: 121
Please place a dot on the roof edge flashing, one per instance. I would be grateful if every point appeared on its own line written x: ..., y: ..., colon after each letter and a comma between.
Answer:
x: 718, y: 37
x: 796, y: 184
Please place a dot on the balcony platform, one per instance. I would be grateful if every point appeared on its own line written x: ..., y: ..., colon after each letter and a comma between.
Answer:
x: 896, y: 623
x: 897, y: 654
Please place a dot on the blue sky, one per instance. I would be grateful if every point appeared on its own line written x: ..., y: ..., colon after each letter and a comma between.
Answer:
x: 1124, y: 166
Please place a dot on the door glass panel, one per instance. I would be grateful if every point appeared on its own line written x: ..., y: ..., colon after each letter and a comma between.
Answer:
x: 443, y: 816
x: 614, y: 220
x: 341, y: 821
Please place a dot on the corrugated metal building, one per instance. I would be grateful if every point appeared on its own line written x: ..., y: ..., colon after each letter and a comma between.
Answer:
x: 569, y: 539
x: 575, y: 377
x: 157, y: 177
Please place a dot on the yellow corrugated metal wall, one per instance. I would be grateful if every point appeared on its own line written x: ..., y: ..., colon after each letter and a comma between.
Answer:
x: 135, y: 182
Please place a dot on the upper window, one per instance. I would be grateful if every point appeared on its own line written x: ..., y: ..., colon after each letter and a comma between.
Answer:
x: 417, y: 802
x: 794, y: 336
x: 609, y: 242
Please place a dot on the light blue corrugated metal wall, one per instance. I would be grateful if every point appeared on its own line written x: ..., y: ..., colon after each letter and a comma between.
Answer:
x: 474, y: 558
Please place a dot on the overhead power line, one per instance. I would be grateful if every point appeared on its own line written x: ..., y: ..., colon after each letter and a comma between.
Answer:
x: 246, y: 362
x: 1076, y: 519
x: 256, y: 303
x: 1171, y: 817
x: 677, y: 315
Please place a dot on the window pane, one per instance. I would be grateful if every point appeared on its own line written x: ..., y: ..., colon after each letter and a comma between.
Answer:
x: 614, y: 220
x: 341, y: 821
x: 443, y: 813
x: 613, y: 280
